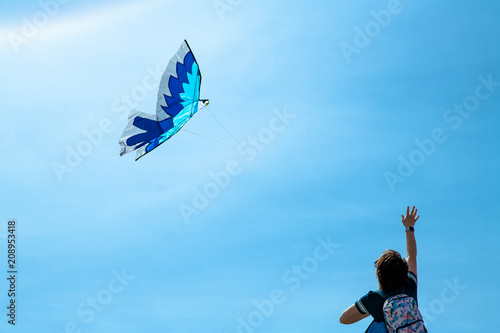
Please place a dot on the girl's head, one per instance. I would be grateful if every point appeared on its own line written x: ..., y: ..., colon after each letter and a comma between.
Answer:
x: 392, y: 271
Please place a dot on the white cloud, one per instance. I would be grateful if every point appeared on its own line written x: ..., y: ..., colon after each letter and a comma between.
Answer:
x: 51, y: 25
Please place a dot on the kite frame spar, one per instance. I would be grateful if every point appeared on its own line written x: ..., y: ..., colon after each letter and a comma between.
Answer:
x: 178, y: 100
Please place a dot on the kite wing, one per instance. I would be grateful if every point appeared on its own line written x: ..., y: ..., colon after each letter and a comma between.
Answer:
x: 178, y: 101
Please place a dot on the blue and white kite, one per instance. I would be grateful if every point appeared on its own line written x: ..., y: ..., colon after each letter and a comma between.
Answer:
x: 178, y: 100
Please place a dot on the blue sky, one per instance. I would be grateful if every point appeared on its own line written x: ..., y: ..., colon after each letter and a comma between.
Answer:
x: 353, y: 110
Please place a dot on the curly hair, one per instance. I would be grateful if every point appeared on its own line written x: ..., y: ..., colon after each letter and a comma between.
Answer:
x: 392, y: 271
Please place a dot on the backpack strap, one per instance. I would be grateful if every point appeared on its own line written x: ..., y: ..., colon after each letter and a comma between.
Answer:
x: 382, y: 294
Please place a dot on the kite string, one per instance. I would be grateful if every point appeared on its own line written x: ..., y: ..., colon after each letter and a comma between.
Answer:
x: 279, y: 168
x: 227, y: 131
x: 322, y: 188
x: 210, y: 139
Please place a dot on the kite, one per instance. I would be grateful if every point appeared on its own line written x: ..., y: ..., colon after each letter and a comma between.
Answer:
x: 178, y: 100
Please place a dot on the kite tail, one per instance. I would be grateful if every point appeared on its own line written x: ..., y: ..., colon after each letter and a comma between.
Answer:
x: 141, y: 129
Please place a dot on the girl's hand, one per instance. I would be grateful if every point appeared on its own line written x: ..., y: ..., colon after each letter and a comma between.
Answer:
x: 410, y: 219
